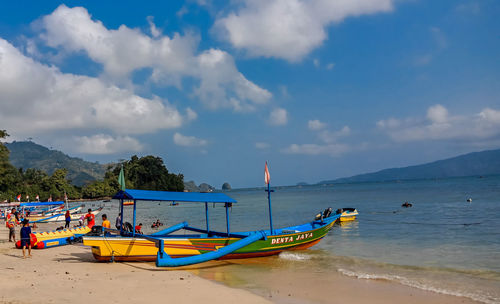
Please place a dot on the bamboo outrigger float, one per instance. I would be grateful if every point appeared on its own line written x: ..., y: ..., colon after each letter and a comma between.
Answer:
x: 172, y: 250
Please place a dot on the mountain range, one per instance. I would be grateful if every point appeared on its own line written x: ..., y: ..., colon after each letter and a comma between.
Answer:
x: 27, y: 154
x: 471, y: 164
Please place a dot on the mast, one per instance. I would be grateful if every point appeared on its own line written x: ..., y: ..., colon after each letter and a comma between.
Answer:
x: 267, y: 180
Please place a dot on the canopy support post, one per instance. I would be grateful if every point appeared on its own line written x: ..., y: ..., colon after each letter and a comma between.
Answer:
x: 121, y: 216
x: 227, y: 218
x: 206, y: 218
x: 135, y: 205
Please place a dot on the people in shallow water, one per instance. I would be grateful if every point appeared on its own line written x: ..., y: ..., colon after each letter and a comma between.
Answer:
x: 156, y: 224
x: 406, y: 205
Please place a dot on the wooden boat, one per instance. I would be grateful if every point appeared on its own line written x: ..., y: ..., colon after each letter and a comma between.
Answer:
x: 348, y: 214
x: 61, y: 217
x: 201, y: 245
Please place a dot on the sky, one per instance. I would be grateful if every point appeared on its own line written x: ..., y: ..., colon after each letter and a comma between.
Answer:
x: 320, y: 89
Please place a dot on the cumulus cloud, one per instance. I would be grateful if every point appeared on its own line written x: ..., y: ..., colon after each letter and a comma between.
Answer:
x: 289, y: 29
x: 124, y: 50
x: 278, y: 117
x: 315, y: 124
x: 105, y: 144
x: 51, y: 100
x: 440, y: 125
x: 329, y: 145
x: 189, y: 141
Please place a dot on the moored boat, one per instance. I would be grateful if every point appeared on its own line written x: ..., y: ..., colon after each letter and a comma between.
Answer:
x: 202, y: 244
x: 348, y: 214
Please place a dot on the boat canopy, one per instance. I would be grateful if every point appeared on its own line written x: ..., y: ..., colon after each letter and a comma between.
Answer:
x: 37, y: 204
x: 197, y: 197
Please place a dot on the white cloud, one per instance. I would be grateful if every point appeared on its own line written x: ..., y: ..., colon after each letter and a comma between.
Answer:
x: 189, y: 141
x: 330, y: 66
x: 289, y: 29
x: 315, y: 124
x: 278, y: 117
x: 316, y: 62
x: 332, y: 137
x: 315, y: 149
x: 437, y: 114
x: 329, y: 146
x: 125, y: 50
x: 51, y: 100
x: 440, y: 125
x: 104, y: 144
x: 191, y: 115
x: 262, y: 145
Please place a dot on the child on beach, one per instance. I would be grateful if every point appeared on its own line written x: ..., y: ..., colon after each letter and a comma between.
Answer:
x: 26, y: 238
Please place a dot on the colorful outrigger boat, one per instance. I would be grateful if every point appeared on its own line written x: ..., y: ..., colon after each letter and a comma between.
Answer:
x: 201, y: 244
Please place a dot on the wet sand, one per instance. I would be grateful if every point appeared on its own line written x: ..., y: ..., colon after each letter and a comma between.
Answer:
x: 69, y: 274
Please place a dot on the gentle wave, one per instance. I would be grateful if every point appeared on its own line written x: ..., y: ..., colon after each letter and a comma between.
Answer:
x: 294, y: 256
x: 405, y: 281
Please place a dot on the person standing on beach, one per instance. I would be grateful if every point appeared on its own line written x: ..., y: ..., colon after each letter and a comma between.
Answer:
x: 11, y: 222
x: 90, y: 218
x: 67, y: 217
x: 105, y: 222
x: 118, y: 223
x: 26, y: 238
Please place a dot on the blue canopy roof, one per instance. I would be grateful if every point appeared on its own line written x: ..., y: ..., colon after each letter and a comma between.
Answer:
x: 148, y: 195
x: 37, y: 204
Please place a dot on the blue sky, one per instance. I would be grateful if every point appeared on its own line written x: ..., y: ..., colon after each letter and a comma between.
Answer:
x: 319, y: 89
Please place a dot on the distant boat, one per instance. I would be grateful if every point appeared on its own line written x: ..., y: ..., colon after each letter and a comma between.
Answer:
x: 348, y: 214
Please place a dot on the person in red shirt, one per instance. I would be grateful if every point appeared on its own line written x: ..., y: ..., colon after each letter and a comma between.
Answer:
x: 138, y: 228
x: 11, y: 222
x: 90, y: 218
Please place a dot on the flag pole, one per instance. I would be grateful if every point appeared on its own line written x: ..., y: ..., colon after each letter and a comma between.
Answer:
x: 267, y: 179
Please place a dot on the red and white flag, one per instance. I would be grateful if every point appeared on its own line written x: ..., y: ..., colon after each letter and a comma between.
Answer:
x: 267, y: 176
x: 50, y: 199
x: 19, y: 198
x: 37, y: 197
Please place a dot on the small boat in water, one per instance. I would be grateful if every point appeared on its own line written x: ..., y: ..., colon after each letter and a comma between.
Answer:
x: 348, y: 214
x: 199, y: 245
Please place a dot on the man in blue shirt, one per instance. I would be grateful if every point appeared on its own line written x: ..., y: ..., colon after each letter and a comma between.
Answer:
x: 26, y: 238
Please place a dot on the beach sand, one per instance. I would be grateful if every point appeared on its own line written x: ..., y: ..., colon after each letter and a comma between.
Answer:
x: 69, y: 274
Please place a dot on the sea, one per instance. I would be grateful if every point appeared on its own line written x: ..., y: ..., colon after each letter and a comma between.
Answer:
x: 443, y: 243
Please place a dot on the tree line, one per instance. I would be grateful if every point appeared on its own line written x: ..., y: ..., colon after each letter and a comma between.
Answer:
x: 146, y: 173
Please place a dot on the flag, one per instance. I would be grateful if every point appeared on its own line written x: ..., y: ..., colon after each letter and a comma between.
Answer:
x: 267, y: 176
x: 19, y: 198
x: 37, y: 197
x: 27, y: 197
x: 50, y: 199
x: 121, y: 179
x: 65, y: 196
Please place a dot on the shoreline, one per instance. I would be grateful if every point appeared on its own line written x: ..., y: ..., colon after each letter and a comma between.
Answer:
x: 70, y: 273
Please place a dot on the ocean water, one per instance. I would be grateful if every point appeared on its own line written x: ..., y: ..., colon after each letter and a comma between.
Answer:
x: 442, y: 244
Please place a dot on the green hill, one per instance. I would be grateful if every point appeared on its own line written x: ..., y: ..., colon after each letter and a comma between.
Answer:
x: 472, y: 164
x: 27, y: 154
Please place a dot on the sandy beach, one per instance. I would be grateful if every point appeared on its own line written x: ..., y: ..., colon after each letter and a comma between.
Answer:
x: 70, y: 274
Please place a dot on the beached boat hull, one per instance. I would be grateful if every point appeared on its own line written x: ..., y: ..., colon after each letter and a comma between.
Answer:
x: 117, y: 248
x: 60, y: 217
